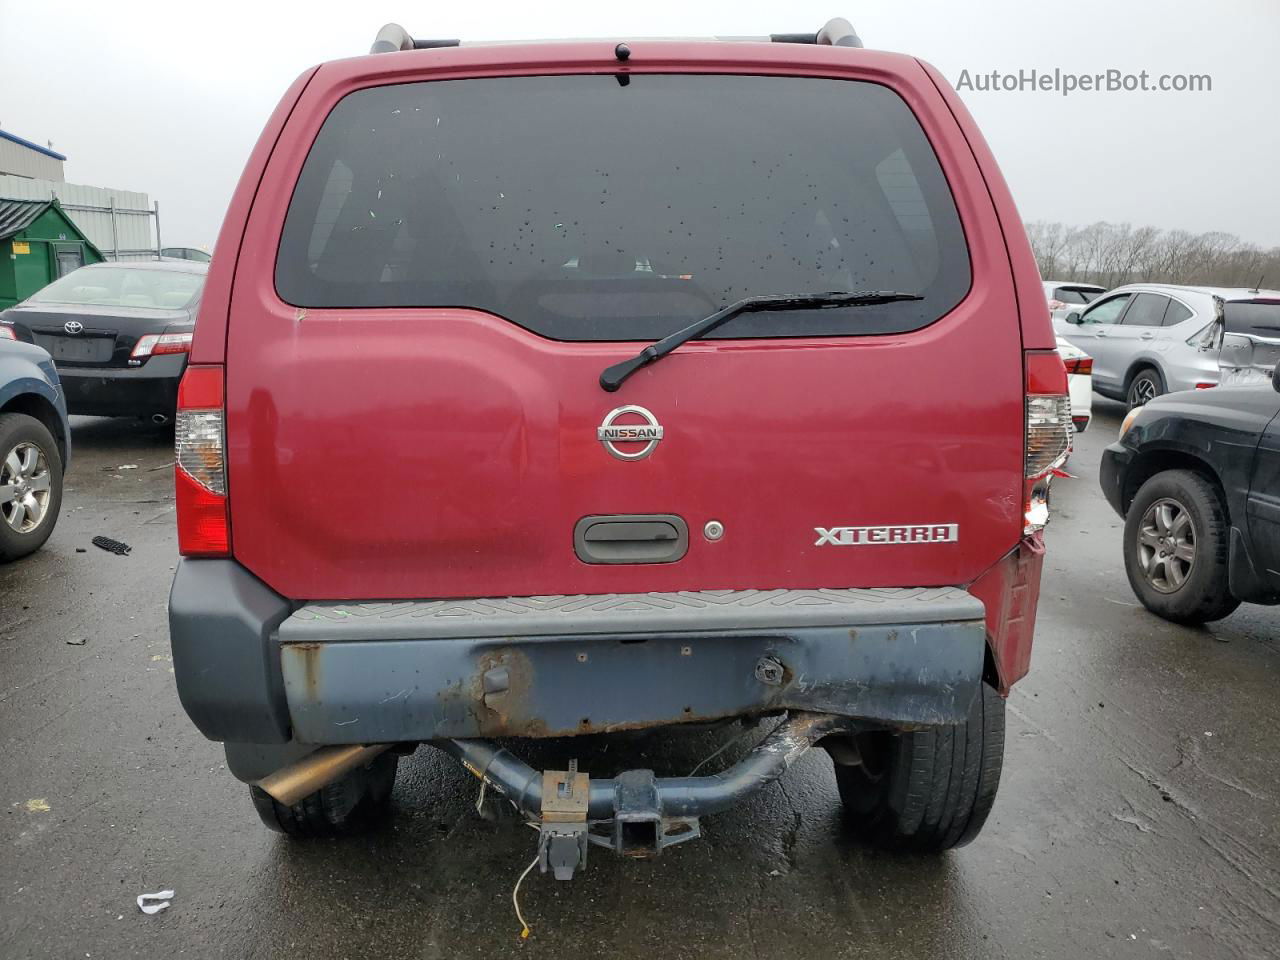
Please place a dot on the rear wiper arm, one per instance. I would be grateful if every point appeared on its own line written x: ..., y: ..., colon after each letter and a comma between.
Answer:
x: 612, y: 377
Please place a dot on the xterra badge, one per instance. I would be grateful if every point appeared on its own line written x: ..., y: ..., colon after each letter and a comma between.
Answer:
x: 611, y: 432
x: 874, y: 536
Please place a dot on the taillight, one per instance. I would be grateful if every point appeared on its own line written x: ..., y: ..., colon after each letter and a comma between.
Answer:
x: 6, y: 333
x: 1056, y: 304
x: 200, y: 471
x: 154, y: 344
x: 1205, y: 386
x: 1080, y: 365
x: 1049, y: 432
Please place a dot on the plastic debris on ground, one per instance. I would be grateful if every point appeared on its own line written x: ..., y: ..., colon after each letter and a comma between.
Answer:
x: 153, y: 903
x: 112, y: 546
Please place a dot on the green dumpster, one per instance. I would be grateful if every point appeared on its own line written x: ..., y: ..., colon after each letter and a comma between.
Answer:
x: 38, y: 244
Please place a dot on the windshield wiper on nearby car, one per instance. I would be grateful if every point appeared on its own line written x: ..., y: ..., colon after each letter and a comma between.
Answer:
x: 612, y: 377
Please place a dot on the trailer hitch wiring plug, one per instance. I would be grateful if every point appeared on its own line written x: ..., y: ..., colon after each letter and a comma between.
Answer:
x: 562, y: 835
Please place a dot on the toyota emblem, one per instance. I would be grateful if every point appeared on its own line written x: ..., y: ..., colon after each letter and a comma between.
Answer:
x: 73, y: 327
x: 611, y: 432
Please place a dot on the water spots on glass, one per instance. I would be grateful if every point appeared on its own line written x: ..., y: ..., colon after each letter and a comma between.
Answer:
x: 639, y: 218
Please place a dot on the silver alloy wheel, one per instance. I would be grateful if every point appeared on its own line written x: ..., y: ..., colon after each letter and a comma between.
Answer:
x: 1142, y: 392
x: 25, y: 487
x: 1166, y: 545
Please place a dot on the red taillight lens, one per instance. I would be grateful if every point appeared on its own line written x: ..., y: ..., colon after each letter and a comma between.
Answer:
x: 200, y: 472
x: 1082, y: 365
x: 1049, y: 432
x: 1056, y: 304
x: 6, y: 333
x: 1205, y: 386
x: 155, y: 344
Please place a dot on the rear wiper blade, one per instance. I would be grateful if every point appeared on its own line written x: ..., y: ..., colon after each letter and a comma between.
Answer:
x: 612, y: 377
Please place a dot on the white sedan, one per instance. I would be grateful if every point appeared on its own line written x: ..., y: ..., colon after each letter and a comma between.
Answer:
x: 1079, y: 382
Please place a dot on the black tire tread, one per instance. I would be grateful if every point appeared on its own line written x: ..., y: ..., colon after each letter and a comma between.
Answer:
x: 1214, y: 600
x: 15, y: 427
x: 1161, y: 389
x: 938, y: 786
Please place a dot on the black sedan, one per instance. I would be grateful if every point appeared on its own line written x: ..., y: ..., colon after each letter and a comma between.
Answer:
x: 119, y: 334
x: 1196, y: 476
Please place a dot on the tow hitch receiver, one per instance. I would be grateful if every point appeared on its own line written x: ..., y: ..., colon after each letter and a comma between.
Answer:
x: 635, y: 813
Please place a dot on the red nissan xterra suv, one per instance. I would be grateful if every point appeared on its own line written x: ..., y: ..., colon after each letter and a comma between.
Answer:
x: 563, y: 388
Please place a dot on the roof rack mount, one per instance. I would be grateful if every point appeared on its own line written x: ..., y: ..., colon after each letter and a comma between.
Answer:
x: 837, y: 32
x: 393, y: 38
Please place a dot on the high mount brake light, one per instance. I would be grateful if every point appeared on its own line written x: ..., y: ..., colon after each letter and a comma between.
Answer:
x: 155, y: 344
x: 1049, y: 432
x: 200, y: 471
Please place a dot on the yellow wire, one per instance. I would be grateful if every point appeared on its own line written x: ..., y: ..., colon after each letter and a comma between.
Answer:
x: 515, y: 900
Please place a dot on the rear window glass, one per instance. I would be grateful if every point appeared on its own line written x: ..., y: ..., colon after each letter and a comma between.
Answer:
x: 1075, y: 295
x: 123, y: 287
x: 1253, y: 318
x: 585, y: 208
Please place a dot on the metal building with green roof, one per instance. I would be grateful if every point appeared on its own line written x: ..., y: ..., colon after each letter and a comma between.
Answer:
x: 38, y: 244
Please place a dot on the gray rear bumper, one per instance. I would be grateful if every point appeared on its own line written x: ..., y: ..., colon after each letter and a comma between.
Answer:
x: 252, y: 670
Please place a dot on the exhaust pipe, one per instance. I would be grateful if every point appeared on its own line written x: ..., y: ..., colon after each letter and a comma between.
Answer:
x: 159, y: 419
x: 317, y: 770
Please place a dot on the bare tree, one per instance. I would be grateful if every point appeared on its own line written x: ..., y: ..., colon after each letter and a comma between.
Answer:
x: 1111, y: 254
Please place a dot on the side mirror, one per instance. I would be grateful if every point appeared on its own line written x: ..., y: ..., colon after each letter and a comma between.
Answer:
x: 1275, y: 378
x: 1073, y: 317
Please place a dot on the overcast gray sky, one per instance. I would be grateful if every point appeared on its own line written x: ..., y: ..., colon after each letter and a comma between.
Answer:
x: 169, y: 97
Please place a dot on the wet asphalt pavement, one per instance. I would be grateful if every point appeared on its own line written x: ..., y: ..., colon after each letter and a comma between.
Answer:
x: 1139, y: 813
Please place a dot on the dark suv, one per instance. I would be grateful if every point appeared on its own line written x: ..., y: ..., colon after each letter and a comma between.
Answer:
x: 1196, y: 475
x: 552, y: 389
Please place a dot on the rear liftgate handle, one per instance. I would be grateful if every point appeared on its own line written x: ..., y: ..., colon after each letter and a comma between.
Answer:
x: 631, y: 538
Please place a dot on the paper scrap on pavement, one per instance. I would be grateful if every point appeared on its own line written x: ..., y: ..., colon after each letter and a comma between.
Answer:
x: 153, y: 903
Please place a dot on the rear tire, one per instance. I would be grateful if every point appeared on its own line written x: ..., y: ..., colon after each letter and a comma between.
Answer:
x: 927, y: 790
x: 30, y: 464
x: 351, y: 804
x: 1146, y: 385
x: 1190, y: 584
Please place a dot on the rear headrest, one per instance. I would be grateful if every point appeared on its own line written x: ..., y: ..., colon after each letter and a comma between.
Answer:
x: 604, y: 263
x: 85, y: 292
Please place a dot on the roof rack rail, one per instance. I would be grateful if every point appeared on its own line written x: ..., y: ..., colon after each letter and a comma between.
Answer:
x: 837, y: 32
x: 394, y: 37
